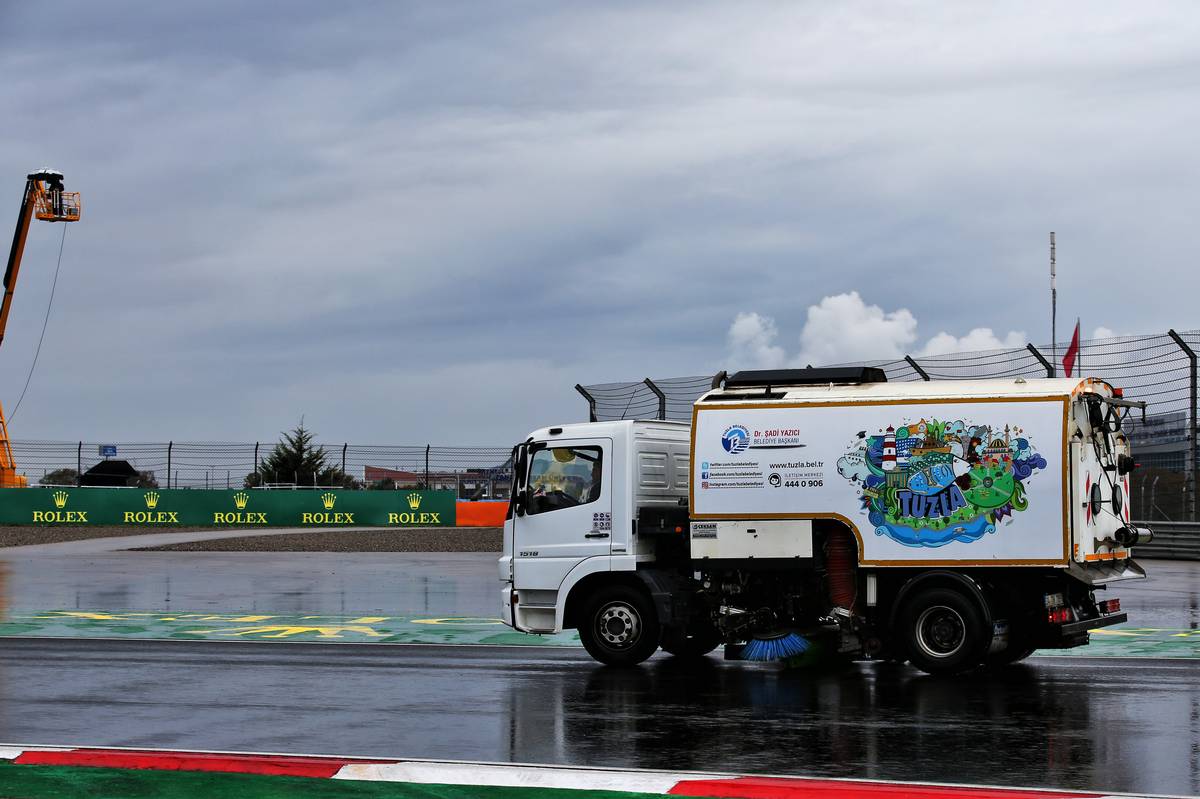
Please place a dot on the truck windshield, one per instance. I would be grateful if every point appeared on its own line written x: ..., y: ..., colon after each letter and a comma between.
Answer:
x: 563, y: 477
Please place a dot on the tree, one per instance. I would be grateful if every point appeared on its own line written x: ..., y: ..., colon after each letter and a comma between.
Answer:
x: 61, y: 477
x: 297, y: 460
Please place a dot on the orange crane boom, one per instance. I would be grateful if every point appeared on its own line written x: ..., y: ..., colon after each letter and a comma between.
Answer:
x: 44, y: 199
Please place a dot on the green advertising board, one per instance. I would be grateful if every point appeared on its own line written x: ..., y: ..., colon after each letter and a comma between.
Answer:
x: 248, y: 508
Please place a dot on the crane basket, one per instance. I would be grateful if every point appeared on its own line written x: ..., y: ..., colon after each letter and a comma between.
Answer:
x: 57, y: 206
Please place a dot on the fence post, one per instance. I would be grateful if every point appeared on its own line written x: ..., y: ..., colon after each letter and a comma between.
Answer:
x: 662, y: 398
x: 1191, y: 453
x: 917, y: 367
x: 427, y: 486
x: 170, y: 446
x: 79, y: 464
x: 344, y: 460
x: 256, y: 461
x: 591, y: 401
x: 1047, y: 365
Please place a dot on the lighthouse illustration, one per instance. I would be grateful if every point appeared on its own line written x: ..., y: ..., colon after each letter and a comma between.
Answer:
x: 889, y: 450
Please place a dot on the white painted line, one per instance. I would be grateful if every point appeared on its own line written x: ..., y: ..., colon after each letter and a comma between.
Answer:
x: 514, y: 776
x: 10, y: 752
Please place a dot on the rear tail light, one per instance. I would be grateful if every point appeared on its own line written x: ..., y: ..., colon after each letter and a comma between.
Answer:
x: 1109, y: 606
x: 1058, y: 615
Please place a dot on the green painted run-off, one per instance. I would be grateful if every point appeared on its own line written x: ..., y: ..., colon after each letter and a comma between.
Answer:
x: 1122, y: 641
x: 72, y: 782
x: 361, y: 629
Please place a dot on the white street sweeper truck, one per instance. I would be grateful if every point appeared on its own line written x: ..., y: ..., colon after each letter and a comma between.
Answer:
x: 951, y: 524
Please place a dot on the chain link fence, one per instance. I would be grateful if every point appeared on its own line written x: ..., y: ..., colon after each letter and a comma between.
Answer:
x: 474, y: 472
x: 1158, y: 368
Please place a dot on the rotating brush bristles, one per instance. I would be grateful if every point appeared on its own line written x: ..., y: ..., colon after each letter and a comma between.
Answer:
x: 779, y: 646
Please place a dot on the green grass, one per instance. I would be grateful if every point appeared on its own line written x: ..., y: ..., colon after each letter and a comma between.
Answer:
x: 70, y: 782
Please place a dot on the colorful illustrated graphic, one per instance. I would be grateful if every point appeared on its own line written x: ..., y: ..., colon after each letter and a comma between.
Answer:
x: 929, y: 482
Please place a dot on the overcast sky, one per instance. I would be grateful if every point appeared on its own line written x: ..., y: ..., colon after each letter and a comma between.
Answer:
x: 416, y: 222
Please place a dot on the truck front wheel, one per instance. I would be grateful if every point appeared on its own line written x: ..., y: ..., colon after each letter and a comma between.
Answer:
x: 943, y: 631
x: 620, y: 627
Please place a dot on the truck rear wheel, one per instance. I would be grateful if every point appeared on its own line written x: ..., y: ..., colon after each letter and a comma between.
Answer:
x: 620, y: 627
x: 943, y: 631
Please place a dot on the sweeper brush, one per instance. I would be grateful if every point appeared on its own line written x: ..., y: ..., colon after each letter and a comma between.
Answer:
x: 778, y: 646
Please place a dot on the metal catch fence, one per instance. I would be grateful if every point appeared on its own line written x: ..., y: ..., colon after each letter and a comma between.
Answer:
x: 1158, y: 368
x: 474, y: 472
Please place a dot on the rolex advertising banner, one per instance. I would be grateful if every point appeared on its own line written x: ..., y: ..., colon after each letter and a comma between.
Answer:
x: 933, y: 481
x: 167, y: 507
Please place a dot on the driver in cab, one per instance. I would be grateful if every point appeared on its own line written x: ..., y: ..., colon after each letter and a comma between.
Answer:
x: 563, y: 478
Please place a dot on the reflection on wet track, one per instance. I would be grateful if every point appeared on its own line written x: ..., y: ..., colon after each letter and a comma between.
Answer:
x: 1080, y: 724
x: 1070, y: 723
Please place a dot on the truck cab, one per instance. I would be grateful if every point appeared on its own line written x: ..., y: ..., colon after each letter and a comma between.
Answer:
x: 577, y: 495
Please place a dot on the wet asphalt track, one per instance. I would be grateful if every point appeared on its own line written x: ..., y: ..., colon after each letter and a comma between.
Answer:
x: 1114, y: 724
x: 1070, y: 723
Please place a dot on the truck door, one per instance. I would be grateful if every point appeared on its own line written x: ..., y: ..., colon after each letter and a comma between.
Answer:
x: 567, y: 514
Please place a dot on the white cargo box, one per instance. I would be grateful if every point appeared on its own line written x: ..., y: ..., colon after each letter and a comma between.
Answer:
x: 922, y: 473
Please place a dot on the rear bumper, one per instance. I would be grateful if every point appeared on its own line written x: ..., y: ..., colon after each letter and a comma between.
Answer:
x: 1078, y: 628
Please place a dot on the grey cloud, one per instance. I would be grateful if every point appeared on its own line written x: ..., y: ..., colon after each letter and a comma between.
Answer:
x: 300, y: 207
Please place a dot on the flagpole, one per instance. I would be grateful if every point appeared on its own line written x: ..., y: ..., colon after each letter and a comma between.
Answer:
x: 1079, y: 354
x: 1053, y: 309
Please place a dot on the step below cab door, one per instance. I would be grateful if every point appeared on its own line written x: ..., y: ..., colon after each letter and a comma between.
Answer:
x: 565, y: 516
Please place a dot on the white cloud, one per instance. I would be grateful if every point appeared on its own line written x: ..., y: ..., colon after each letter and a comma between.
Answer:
x: 752, y: 342
x: 843, y: 328
x: 1103, y: 332
x: 981, y: 338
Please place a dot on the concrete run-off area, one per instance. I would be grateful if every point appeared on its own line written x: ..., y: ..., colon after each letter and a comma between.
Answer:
x: 95, y: 588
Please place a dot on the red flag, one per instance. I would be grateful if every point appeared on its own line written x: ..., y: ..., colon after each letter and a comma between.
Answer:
x: 1072, y: 352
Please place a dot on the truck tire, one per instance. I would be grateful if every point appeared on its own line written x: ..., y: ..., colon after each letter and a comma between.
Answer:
x: 695, y: 642
x: 620, y: 627
x: 943, y: 631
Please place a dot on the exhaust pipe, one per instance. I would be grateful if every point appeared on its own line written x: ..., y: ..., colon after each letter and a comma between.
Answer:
x: 1133, y: 536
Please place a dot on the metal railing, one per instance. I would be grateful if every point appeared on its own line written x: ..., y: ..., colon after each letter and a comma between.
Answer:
x: 1172, y: 540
